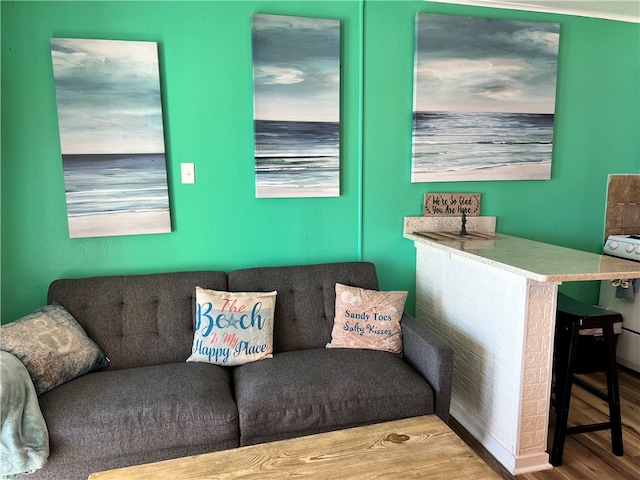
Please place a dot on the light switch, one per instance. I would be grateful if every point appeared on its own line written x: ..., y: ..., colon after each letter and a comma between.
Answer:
x: 188, y: 173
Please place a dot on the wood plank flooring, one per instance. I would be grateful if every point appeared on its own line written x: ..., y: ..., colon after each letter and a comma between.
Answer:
x: 588, y: 455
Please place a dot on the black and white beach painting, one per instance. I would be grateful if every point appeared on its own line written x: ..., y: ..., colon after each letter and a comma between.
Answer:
x: 111, y: 135
x: 484, y: 98
x: 296, y: 79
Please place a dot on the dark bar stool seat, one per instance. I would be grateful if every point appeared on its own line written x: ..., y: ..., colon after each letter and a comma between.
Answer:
x: 573, y: 316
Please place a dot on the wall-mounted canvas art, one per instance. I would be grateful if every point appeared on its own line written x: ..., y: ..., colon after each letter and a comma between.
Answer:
x: 296, y: 81
x: 484, y: 98
x: 111, y: 135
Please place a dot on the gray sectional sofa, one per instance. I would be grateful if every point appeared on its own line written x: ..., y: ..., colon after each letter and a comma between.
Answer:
x: 151, y: 405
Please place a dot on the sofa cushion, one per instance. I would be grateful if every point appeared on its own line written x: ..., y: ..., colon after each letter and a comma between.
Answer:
x: 53, y: 347
x: 306, y: 298
x: 311, y: 391
x: 368, y: 319
x: 137, y: 320
x: 233, y: 328
x: 112, y: 413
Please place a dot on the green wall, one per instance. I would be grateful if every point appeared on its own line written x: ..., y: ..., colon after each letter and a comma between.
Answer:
x: 596, y: 133
x: 205, y: 62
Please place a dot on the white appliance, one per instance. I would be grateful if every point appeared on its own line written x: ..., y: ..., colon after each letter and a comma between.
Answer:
x: 628, y: 351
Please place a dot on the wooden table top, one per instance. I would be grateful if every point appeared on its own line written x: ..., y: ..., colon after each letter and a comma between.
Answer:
x: 420, y: 447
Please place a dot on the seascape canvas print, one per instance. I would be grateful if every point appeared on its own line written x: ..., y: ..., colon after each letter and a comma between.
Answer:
x: 484, y: 98
x: 111, y: 136
x: 296, y: 81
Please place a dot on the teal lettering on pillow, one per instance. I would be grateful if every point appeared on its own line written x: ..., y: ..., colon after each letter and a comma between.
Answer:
x: 233, y: 328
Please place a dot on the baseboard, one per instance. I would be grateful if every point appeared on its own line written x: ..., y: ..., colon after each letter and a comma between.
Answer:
x: 506, y: 461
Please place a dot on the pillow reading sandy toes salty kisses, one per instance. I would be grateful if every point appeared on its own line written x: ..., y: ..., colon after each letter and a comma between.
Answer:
x: 233, y: 328
x: 52, y: 345
x: 368, y: 319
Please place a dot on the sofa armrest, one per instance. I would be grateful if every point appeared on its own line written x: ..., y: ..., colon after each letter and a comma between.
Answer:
x: 432, y: 357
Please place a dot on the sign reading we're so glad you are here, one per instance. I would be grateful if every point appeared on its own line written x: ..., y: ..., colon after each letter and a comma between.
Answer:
x: 451, y: 204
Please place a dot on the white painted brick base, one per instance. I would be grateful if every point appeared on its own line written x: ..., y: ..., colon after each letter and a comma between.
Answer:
x: 501, y: 325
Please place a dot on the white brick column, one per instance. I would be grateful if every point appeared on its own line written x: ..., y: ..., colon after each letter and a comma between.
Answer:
x: 501, y: 326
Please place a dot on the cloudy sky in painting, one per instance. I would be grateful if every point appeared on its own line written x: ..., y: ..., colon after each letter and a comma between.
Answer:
x: 296, y: 68
x: 477, y: 64
x: 108, y: 95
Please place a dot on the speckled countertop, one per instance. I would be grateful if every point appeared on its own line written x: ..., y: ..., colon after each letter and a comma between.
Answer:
x: 536, y: 260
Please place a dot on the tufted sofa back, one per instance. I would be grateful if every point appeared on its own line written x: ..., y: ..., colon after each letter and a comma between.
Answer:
x: 305, y: 303
x: 137, y: 320
x: 140, y: 320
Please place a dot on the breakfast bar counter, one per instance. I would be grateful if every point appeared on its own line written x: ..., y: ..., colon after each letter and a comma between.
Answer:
x: 536, y: 260
x: 494, y: 299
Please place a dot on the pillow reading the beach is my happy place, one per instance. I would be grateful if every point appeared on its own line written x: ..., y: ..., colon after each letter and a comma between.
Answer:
x: 233, y: 328
x: 368, y: 319
x: 53, y: 346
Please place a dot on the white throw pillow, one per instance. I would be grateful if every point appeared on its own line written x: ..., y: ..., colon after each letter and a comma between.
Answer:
x: 233, y: 328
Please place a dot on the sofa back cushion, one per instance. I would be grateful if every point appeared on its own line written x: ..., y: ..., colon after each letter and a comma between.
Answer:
x: 306, y: 299
x: 137, y: 320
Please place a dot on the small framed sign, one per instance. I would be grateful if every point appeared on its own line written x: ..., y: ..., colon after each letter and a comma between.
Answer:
x: 451, y: 204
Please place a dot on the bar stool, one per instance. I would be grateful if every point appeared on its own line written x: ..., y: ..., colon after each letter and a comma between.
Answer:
x: 572, y: 317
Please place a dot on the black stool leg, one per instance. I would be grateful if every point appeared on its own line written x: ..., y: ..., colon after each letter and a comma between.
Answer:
x: 613, y: 392
x: 566, y: 351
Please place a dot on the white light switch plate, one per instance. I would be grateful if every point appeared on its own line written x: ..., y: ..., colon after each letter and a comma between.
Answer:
x: 188, y: 173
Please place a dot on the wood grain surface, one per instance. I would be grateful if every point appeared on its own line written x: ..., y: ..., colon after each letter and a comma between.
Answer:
x: 587, y: 456
x: 420, y: 447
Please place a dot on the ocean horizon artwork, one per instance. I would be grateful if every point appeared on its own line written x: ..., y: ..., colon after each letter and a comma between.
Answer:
x: 484, y: 98
x: 111, y: 137
x: 296, y: 82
